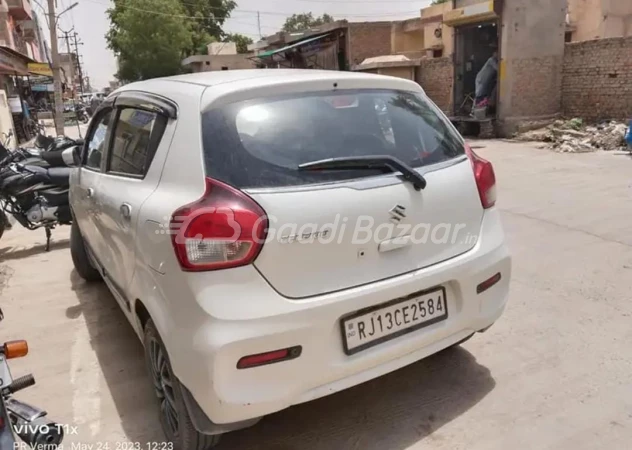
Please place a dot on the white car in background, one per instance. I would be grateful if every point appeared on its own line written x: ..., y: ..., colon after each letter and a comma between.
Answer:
x: 275, y: 236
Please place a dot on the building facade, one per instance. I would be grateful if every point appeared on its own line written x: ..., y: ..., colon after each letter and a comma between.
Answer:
x: 598, y: 19
x: 71, y: 76
x: 220, y: 56
x: 339, y: 45
x: 20, y: 46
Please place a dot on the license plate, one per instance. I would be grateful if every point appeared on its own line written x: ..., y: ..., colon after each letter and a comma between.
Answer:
x: 377, y: 324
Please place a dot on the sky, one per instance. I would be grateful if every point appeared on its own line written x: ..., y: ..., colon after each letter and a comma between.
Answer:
x: 89, y: 19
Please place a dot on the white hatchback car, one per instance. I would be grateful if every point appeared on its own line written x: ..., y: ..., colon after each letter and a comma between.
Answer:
x: 275, y: 236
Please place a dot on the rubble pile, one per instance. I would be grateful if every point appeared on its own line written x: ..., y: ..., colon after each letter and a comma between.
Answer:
x: 572, y: 136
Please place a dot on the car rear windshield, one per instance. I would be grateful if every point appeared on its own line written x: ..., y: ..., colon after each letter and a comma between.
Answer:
x: 261, y: 143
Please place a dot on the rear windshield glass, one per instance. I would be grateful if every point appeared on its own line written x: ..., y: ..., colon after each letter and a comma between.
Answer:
x: 260, y: 144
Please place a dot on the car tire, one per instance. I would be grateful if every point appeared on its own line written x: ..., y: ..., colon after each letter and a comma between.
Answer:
x: 80, y: 258
x: 174, y: 415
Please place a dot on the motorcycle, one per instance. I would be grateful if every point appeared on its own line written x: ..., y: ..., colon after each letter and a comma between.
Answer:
x: 36, y: 195
x: 81, y: 112
x: 29, y: 423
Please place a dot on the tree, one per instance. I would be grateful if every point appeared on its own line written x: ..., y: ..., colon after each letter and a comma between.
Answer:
x: 301, y: 22
x: 151, y: 37
x: 208, y: 16
x: 438, y: 2
x: 239, y: 39
x: 148, y: 45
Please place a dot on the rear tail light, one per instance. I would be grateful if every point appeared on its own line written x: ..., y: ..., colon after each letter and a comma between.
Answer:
x: 225, y: 228
x: 485, y: 178
x: 261, y: 359
x: 488, y: 283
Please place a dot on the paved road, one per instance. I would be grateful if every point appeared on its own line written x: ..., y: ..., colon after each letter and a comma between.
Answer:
x: 554, y: 373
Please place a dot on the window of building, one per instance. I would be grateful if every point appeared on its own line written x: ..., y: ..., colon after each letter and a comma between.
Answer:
x: 131, y: 152
x: 437, y: 53
x: 568, y: 36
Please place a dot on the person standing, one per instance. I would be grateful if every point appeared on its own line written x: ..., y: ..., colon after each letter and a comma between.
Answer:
x: 486, y: 78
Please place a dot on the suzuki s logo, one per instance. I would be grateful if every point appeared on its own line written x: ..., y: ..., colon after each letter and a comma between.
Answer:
x: 398, y: 212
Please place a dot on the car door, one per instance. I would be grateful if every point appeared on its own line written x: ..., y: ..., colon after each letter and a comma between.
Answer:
x: 84, y: 184
x: 126, y: 183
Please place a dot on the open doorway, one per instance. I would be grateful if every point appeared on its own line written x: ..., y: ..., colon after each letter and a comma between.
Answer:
x: 476, y: 71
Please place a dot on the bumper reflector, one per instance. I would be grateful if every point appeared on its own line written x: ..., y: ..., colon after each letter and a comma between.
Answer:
x: 488, y: 283
x: 261, y: 359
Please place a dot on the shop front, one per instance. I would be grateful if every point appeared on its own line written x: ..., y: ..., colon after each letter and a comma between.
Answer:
x: 19, y: 112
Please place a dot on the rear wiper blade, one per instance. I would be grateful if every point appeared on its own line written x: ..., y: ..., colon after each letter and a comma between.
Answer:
x: 369, y: 162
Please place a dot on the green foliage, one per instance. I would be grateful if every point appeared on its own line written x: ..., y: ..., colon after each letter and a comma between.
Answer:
x: 300, y: 22
x: 148, y: 45
x: 438, y: 2
x: 151, y: 37
x: 239, y: 39
x: 209, y: 16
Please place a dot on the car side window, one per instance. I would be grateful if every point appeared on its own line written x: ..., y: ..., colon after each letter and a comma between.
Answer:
x: 133, y: 144
x: 96, y: 143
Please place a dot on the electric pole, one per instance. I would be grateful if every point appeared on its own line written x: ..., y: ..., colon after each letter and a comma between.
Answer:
x: 59, y: 105
x: 66, y: 36
x: 70, y: 77
x: 259, y: 24
x: 79, y: 62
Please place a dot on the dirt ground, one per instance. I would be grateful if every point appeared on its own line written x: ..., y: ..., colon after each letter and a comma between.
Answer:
x: 554, y: 373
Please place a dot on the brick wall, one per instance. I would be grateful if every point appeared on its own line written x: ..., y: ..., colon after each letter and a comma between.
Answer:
x: 368, y: 39
x: 436, y: 77
x: 536, y: 86
x: 597, y: 79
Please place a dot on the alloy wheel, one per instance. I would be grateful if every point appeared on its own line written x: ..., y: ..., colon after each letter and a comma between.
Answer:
x: 164, y: 388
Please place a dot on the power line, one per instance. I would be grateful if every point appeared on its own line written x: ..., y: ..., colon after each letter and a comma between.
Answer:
x: 273, y: 13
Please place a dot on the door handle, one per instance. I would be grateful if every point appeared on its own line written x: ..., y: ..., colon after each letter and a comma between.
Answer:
x: 89, y: 193
x: 126, y: 211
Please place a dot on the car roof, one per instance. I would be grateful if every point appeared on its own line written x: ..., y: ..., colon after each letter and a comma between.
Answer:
x: 278, y: 75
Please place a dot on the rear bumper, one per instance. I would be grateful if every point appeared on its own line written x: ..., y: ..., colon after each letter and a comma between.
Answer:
x: 208, y: 341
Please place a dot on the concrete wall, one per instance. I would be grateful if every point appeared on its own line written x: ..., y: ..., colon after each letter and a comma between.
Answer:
x: 594, y: 19
x: 597, y: 81
x: 209, y: 63
x: 368, y: 39
x: 462, y: 3
x: 411, y: 41
x: 221, y: 48
x: 407, y: 73
x: 586, y: 18
x: 532, y: 53
x: 436, y: 77
x: 447, y: 36
x: 399, y: 72
x: 618, y: 18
